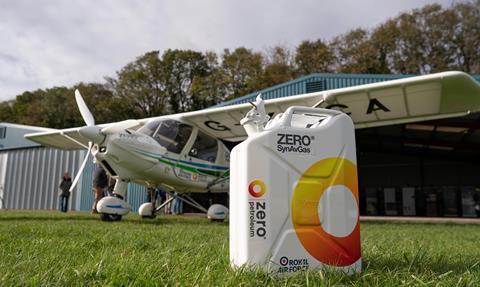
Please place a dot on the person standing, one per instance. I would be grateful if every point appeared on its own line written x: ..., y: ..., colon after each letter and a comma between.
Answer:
x: 177, y: 206
x: 64, y: 193
x: 100, y: 182
x: 476, y: 203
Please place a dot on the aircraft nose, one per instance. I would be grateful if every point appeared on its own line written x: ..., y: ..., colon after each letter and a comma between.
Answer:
x: 92, y: 133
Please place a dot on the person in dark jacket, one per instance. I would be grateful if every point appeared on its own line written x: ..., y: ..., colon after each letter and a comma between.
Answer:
x: 100, y: 182
x: 64, y: 192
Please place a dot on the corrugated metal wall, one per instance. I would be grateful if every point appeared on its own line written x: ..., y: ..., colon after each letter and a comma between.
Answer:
x: 3, y: 172
x: 33, y: 175
x: 137, y: 194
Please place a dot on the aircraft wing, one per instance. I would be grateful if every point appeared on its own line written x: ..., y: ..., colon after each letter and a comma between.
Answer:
x: 63, y: 139
x: 67, y: 138
x: 421, y: 98
x: 429, y: 97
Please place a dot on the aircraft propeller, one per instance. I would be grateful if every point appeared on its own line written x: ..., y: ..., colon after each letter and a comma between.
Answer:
x: 90, y: 131
x: 95, y: 134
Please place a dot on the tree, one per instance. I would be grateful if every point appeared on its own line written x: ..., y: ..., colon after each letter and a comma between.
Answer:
x: 141, y: 87
x: 211, y: 89
x: 421, y: 41
x: 60, y: 109
x: 383, y: 40
x: 278, y: 67
x: 466, y: 37
x: 56, y: 107
x: 29, y: 110
x: 313, y: 57
x: 104, y: 105
x: 6, y: 112
x: 243, y: 69
x: 355, y: 53
x: 181, y: 68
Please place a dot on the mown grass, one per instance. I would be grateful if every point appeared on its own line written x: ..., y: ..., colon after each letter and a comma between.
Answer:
x: 50, y: 248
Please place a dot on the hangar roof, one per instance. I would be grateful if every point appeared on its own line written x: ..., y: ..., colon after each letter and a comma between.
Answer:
x: 11, y: 136
x: 316, y: 83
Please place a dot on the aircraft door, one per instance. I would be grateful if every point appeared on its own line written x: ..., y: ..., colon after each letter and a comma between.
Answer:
x: 176, y: 138
x: 205, y: 148
x: 181, y: 140
x: 3, y: 173
x: 204, y: 153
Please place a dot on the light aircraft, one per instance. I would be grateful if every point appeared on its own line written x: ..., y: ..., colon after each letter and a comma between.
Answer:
x: 184, y: 152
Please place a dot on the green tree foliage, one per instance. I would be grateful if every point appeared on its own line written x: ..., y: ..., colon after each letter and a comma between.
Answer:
x: 181, y: 68
x: 140, y: 85
x: 278, y: 67
x: 465, y: 48
x: 356, y: 53
x: 313, y: 57
x: 420, y: 41
x: 104, y: 105
x: 6, y: 112
x: 243, y: 69
x: 426, y: 40
x: 56, y: 107
x: 212, y: 88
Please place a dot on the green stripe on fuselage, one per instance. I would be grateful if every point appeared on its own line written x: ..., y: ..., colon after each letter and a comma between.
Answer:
x: 186, y: 167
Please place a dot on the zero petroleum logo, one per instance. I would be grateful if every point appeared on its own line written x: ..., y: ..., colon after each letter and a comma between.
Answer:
x: 257, y: 209
x: 256, y: 188
x: 294, y: 143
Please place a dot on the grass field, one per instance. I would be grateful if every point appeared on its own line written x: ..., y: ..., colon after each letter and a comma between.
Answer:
x: 50, y: 248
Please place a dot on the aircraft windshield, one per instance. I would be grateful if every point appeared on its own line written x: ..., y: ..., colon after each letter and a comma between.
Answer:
x: 171, y: 134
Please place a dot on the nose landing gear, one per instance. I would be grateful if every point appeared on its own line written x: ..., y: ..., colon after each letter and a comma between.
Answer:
x: 110, y: 217
x: 112, y: 208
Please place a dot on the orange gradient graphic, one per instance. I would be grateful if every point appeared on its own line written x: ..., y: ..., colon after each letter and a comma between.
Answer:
x: 326, y: 248
x: 261, y: 188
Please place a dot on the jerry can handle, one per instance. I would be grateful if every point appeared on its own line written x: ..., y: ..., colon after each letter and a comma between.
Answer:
x: 287, y: 116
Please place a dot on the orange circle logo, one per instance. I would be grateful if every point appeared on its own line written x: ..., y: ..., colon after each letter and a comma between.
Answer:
x: 256, y: 188
x: 322, y: 245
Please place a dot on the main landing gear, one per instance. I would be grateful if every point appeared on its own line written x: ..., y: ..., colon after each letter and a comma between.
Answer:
x: 216, y: 212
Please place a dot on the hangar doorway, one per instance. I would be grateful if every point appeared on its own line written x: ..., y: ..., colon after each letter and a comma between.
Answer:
x: 426, y: 168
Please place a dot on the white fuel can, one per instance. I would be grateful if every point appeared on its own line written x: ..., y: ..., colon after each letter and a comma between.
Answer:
x: 294, y: 201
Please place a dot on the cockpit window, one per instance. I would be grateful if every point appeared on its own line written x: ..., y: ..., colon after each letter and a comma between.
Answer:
x: 205, y: 147
x: 171, y: 134
x: 149, y: 128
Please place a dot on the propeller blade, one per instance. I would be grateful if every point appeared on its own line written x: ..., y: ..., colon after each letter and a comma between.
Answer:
x: 120, y: 126
x: 86, y: 114
x: 80, y: 171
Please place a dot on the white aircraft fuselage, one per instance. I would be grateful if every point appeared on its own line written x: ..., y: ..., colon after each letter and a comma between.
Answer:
x: 139, y: 156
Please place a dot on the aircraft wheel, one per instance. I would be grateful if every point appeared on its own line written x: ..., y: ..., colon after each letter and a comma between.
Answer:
x: 110, y: 217
x: 217, y: 220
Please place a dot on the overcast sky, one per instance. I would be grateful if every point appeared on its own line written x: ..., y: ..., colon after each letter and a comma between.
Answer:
x: 53, y: 43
